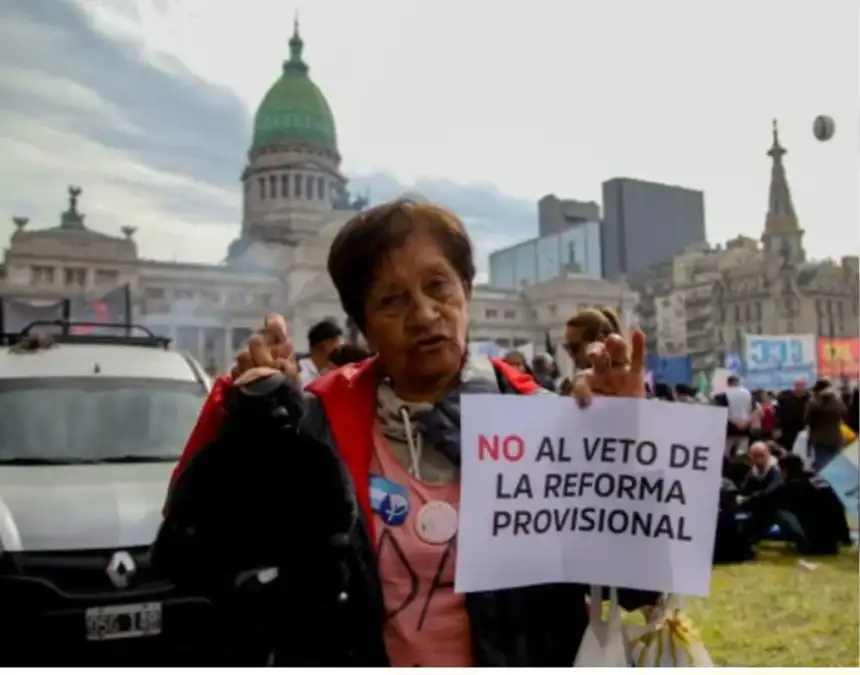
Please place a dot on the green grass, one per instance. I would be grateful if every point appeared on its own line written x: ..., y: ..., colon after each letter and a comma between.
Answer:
x: 771, y: 612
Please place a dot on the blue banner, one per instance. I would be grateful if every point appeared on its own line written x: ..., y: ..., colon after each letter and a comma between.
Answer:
x: 670, y: 369
x: 776, y: 361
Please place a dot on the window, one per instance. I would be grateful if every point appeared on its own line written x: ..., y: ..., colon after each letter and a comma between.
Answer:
x: 285, y: 186
x: 183, y: 294
x: 297, y: 185
x: 83, y: 420
x: 154, y: 293
x: 491, y: 313
x: 320, y: 188
x: 106, y: 277
x: 42, y: 276
x: 262, y: 183
x: 212, y: 297
x: 273, y: 186
x: 309, y: 187
x: 510, y: 314
x: 75, y: 276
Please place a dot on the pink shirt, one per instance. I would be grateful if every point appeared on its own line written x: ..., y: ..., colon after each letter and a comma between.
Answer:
x: 426, y: 622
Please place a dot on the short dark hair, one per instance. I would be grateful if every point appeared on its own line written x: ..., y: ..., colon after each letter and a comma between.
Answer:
x: 348, y: 354
x: 322, y: 331
x: 733, y: 380
x: 372, y: 234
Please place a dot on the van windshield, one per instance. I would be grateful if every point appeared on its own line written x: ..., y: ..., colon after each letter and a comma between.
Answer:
x: 93, y: 420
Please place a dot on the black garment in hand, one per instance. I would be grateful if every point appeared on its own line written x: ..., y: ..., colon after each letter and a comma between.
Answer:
x: 272, y: 491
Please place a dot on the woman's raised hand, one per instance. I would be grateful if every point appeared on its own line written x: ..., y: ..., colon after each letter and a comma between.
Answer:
x: 616, y: 369
x: 269, y: 351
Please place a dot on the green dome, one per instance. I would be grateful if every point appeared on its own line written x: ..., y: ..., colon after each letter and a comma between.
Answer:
x: 294, y: 110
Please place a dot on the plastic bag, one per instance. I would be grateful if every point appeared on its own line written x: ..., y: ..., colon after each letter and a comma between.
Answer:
x: 668, y: 641
x: 603, y: 643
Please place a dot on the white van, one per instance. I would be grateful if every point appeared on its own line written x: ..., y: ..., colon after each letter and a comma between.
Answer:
x: 91, y: 427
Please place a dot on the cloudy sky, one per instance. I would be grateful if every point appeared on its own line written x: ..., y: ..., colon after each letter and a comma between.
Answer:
x: 485, y: 106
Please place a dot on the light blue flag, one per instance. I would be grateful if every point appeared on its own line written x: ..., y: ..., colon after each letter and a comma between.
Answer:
x: 843, y: 475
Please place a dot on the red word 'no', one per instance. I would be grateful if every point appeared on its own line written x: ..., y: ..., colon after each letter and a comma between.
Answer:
x: 510, y: 448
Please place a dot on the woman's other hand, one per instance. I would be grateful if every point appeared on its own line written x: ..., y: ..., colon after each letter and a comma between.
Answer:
x: 616, y: 369
x: 268, y: 352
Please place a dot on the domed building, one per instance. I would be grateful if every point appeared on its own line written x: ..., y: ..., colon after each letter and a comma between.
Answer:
x: 295, y: 199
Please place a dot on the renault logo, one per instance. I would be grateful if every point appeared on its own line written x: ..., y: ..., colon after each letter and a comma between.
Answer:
x: 121, y: 569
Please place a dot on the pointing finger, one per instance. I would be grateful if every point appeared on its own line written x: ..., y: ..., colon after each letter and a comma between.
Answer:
x: 637, y: 358
x: 276, y: 329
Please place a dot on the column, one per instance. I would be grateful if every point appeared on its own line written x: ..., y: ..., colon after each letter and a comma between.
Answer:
x: 227, y: 350
x: 200, y: 354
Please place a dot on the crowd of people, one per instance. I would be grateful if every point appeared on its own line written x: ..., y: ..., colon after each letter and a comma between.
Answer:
x: 282, y: 508
x: 776, y: 445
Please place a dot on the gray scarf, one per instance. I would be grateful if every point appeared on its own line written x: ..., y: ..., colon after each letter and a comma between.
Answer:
x: 425, y: 437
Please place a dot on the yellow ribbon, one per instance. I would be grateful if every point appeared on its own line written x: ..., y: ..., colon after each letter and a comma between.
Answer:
x: 679, y: 631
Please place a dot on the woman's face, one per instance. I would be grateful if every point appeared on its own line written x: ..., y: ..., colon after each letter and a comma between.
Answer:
x: 575, y: 346
x: 416, y: 313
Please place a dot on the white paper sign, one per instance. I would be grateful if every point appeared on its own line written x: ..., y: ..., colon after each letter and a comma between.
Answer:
x: 624, y: 493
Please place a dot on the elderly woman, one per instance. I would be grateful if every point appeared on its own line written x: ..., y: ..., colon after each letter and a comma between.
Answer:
x: 331, y: 516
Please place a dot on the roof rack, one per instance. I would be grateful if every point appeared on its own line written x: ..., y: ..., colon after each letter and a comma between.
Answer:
x: 87, y: 332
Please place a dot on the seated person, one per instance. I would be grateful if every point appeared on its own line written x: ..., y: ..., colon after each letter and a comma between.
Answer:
x: 764, y: 475
x: 730, y: 544
x: 763, y: 478
x: 805, y: 508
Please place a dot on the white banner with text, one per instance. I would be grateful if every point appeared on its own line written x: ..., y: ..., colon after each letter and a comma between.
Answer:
x: 624, y: 493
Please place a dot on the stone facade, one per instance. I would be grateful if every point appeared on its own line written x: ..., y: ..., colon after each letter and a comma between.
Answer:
x: 720, y: 294
x: 294, y: 201
x: 209, y: 310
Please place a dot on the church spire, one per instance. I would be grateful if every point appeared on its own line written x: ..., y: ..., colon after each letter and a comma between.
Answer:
x: 782, y: 235
x: 781, y: 217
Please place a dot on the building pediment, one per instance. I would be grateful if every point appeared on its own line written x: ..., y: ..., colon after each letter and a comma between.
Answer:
x: 83, y: 245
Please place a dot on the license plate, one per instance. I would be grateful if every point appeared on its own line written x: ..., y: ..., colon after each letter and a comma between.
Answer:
x: 120, y: 622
